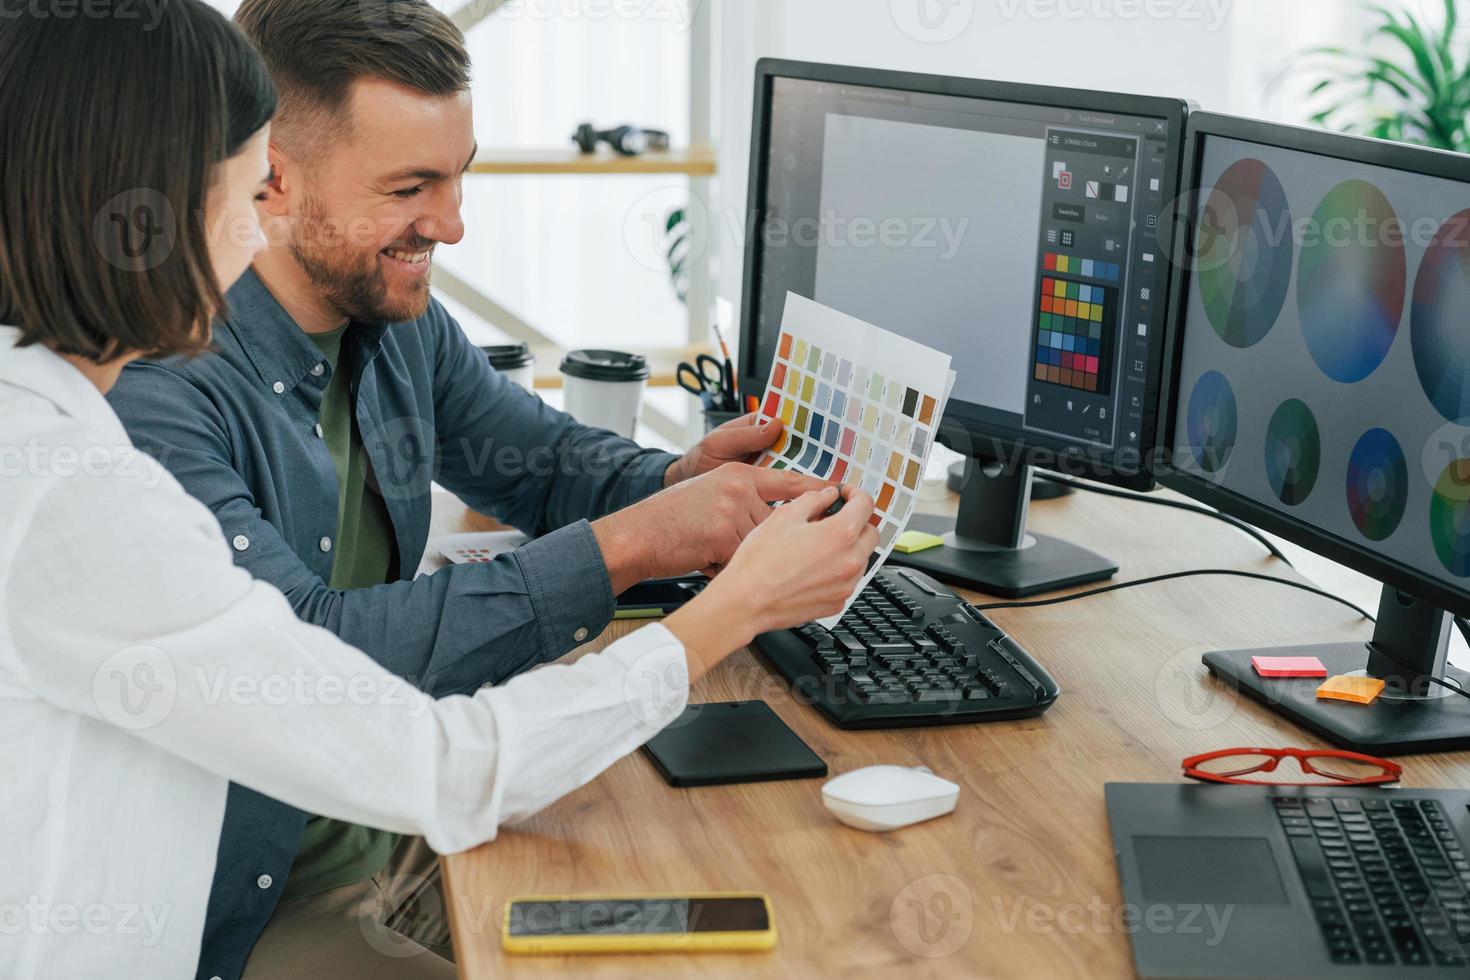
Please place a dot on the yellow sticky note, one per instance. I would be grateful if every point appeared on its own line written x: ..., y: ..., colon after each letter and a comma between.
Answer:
x: 912, y: 541
x: 1345, y: 687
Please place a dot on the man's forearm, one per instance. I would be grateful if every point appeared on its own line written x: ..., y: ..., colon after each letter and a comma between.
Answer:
x: 622, y: 553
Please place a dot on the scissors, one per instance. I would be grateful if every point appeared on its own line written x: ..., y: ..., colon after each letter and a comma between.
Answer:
x: 707, y: 379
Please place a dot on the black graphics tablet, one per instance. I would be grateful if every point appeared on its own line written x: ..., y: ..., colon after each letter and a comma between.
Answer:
x: 731, y: 742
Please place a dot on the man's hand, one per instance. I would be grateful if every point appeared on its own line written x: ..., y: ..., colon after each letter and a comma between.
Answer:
x: 737, y: 441
x: 694, y: 526
x: 799, y: 565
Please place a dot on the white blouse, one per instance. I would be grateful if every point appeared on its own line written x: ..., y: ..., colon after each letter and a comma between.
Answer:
x: 141, y: 671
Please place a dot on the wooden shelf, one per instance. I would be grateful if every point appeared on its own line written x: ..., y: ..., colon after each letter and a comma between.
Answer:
x: 693, y: 161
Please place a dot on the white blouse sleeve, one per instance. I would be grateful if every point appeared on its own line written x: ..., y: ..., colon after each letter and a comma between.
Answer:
x: 125, y: 606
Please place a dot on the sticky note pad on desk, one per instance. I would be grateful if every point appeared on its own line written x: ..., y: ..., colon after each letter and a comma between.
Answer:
x: 912, y: 541
x: 1288, y: 666
x: 1346, y: 687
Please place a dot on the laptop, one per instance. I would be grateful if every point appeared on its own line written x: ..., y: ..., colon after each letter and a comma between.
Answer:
x: 1291, y: 881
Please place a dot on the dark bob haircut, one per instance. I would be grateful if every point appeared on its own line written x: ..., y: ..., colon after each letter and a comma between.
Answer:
x: 110, y: 127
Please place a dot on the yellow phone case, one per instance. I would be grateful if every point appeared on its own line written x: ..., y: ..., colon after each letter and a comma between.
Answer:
x: 683, y: 942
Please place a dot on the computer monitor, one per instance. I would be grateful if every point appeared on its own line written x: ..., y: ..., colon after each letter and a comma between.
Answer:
x: 1319, y: 387
x: 1014, y: 227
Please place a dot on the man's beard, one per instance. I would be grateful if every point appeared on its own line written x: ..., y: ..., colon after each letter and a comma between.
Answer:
x: 354, y: 284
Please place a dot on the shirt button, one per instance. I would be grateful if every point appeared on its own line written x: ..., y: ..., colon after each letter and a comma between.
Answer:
x: 581, y: 634
x: 264, y: 881
x: 318, y: 430
x: 316, y: 370
x: 326, y: 544
x: 240, y: 542
x: 278, y: 388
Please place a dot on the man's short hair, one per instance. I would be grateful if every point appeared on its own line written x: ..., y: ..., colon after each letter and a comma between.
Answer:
x: 316, y: 49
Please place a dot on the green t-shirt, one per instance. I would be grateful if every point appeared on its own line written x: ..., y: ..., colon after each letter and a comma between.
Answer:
x: 334, y: 853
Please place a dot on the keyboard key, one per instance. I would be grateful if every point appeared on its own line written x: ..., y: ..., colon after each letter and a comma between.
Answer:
x: 882, y: 696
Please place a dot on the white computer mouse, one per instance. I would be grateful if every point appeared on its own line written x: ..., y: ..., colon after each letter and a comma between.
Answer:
x: 888, y: 797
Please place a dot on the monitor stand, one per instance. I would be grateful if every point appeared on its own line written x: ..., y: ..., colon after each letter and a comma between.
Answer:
x: 987, y: 548
x: 1042, y: 488
x: 1410, y: 644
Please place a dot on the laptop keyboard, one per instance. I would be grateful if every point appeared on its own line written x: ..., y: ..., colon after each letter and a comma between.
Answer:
x: 1388, y: 878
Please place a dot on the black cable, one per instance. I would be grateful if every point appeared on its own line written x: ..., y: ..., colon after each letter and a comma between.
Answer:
x: 1144, y: 498
x: 1026, y: 603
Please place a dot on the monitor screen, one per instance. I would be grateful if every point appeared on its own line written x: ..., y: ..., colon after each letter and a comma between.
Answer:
x: 1324, y: 370
x: 1018, y: 237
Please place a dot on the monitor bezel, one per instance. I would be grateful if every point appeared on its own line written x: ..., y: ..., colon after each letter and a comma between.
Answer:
x: 1084, y: 462
x: 1352, y: 149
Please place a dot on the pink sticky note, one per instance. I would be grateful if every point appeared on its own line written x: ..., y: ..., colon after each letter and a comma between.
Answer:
x: 1288, y: 666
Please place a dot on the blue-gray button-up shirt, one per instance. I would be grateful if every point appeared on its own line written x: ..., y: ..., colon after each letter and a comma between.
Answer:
x: 238, y: 428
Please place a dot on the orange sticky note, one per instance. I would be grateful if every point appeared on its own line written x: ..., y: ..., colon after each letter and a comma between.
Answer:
x: 1345, y: 687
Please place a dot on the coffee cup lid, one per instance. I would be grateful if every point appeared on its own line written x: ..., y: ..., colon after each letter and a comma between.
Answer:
x: 506, y: 357
x: 605, y: 365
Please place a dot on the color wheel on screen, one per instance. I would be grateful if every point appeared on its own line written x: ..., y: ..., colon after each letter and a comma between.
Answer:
x: 1243, y: 249
x: 1351, y: 280
x: 1438, y: 323
x: 1449, y: 518
x: 1212, y: 421
x: 1377, y: 484
x: 1293, y: 452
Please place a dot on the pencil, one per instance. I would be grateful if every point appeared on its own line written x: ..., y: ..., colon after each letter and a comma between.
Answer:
x: 725, y: 351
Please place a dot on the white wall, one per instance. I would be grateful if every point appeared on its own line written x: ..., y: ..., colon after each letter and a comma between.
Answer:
x: 1226, y: 55
x: 554, y: 249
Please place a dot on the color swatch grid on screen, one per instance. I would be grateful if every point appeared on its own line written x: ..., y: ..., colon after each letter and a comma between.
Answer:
x: 1087, y: 268
x: 1073, y: 335
x: 859, y: 405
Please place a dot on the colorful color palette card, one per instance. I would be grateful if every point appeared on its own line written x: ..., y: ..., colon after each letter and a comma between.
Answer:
x: 860, y: 406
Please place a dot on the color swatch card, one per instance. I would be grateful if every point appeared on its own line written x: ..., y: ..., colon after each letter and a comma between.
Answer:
x: 860, y: 406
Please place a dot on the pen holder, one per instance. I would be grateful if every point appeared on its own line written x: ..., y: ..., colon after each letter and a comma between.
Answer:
x: 713, y: 419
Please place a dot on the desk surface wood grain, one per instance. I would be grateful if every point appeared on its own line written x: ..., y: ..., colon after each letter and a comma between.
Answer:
x: 1019, y: 881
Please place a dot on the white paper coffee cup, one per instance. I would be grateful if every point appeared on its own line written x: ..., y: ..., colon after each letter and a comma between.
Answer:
x: 604, y: 388
x: 515, y: 361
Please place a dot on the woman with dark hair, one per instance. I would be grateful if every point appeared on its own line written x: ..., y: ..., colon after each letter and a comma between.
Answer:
x: 140, y: 670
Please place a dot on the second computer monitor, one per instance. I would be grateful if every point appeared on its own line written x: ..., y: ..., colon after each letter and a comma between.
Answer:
x: 1013, y: 227
x: 1320, y: 388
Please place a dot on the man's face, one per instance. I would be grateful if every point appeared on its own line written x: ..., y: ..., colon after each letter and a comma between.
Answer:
x: 368, y: 209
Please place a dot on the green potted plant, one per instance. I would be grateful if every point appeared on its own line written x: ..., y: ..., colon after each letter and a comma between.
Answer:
x: 1410, y: 83
x: 676, y: 251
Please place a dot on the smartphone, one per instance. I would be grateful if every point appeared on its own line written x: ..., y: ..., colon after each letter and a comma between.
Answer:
x: 722, y: 921
x: 658, y: 596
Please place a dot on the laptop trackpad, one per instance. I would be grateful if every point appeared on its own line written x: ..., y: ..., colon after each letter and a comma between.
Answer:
x: 1208, y: 870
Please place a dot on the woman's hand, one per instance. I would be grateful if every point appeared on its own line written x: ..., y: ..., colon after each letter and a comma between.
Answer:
x: 796, y: 566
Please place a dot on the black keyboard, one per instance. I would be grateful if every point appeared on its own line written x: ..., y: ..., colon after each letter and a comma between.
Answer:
x: 1388, y: 879
x: 909, y: 652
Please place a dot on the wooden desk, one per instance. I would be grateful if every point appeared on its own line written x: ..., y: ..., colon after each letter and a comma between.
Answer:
x: 1019, y: 881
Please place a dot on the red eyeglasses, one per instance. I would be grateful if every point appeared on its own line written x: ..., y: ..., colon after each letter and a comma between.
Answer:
x: 1257, y: 767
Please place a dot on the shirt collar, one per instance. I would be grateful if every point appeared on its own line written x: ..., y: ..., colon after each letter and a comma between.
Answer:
x: 40, y: 370
x: 279, y: 349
